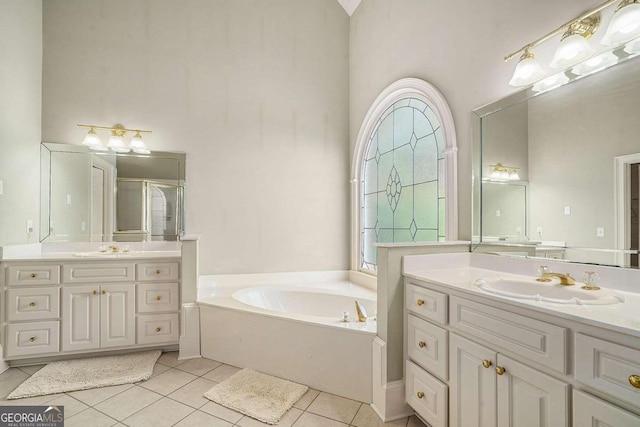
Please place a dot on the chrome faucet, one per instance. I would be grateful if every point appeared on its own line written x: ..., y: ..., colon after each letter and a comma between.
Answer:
x: 544, y: 275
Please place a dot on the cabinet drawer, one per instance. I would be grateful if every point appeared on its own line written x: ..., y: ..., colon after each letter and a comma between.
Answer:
x: 33, y: 303
x: 158, y: 328
x: 590, y: 411
x: 539, y: 341
x: 33, y: 275
x: 426, y: 303
x: 155, y: 297
x: 608, y: 367
x: 427, y: 346
x: 426, y: 395
x: 32, y: 338
x: 98, y: 273
x: 157, y: 271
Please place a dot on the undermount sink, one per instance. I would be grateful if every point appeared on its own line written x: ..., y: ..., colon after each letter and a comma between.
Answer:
x: 547, y: 292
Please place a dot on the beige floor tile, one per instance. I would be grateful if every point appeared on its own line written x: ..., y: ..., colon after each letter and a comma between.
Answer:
x: 10, y: 379
x: 198, y: 366
x: 220, y: 411
x: 29, y: 401
x: 128, y: 402
x: 170, y: 358
x: 334, y: 407
x: 415, y: 422
x: 89, y: 417
x: 163, y: 413
x: 366, y: 417
x: 200, y: 419
x: 192, y: 393
x: 221, y: 373
x: 287, y: 420
x: 312, y: 420
x: 30, y: 370
x: 306, y: 399
x: 168, y: 382
x: 159, y: 368
x: 71, y: 406
x: 96, y: 395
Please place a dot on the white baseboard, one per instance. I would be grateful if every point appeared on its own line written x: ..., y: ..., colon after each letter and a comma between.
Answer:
x: 190, y: 332
x: 388, y: 398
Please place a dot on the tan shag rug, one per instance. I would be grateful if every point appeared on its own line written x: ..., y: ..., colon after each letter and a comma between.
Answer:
x: 82, y: 374
x: 257, y: 395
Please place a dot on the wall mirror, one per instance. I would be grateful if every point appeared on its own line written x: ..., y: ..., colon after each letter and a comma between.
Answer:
x: 90, y: 196
x: 576, y: 151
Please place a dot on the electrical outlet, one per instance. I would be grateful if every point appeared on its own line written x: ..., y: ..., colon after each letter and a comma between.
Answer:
x: 29, y: 226
x: 600, y: 232
x: 68, y: 199
x: 539, y: 230
x: 518, y: 230
x: 498, y: 213
x: 567, y: 210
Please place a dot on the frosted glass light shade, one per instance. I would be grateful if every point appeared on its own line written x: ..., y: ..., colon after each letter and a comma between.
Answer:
x: 92, y: 140
x: 138, y: 146
x: 594, y: 64
x: 117, y: 144
x: 570, y: 51
x: 551, y: 82
x: 624, y: 25
x: 527, y: 71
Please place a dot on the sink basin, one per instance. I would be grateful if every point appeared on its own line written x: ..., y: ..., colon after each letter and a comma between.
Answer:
x: 547, y: 292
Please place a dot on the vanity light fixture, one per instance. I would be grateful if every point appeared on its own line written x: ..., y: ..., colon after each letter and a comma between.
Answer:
x: 499, y: 172
x: 574, y: 48
x: 116, y: 140
x: 633, y: 46
x: 594, y: 64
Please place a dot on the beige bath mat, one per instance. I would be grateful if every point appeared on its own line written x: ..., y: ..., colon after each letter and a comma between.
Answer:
x: 257, y: 395
x: 81, y: 374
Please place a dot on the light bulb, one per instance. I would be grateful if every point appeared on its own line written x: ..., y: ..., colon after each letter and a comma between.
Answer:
x: 571, y: 50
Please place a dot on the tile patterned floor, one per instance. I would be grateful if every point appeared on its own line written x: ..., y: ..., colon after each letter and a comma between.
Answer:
x: 173, y: 397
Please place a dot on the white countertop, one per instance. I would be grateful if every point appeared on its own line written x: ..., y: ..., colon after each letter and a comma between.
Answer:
x: 90, y: 256
x: 90, y: 251
x: 622, y: 317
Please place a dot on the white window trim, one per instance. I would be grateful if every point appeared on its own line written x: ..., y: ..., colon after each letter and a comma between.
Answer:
x: 401, y: 89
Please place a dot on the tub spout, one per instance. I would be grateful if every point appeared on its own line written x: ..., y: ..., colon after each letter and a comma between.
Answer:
x: 362, y: 313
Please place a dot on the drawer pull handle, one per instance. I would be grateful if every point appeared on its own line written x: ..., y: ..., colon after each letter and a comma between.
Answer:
x: 420, y: 395
x: 422, y: 344
x: 500, y: 370
x: 95, y: 292
x: 34, y: 275
x: 158, y: 329
x: 634, y: 380
x: 103, y: 292
x: 487, y: 363
x: 32, y: 304
x: 157, y: 271
x: 32, y: 339
x: 420, y: 302
x: 158, y: 298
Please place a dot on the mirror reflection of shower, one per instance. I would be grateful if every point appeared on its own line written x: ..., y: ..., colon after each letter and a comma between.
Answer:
x: 147, y: 210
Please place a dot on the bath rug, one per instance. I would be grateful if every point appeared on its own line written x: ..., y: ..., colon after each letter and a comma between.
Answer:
x: 257, y: 395
x: 82, y: 374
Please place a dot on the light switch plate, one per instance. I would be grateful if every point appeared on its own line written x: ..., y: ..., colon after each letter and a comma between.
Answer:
x: 567, y: 210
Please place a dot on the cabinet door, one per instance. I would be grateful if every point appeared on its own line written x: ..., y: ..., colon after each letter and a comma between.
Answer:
x: 529, y: 398
x: 117, y: 315
x: 589, y: 411
x: 472, y: 385
x: 80, y: 318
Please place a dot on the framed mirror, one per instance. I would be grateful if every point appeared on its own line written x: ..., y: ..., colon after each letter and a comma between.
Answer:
x: 91, y: 196
x: 576, y: 150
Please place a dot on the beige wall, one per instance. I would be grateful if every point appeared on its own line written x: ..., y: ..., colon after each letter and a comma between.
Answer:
x: 255, y: 92
x: 20, y: 109
x: 456, y: 46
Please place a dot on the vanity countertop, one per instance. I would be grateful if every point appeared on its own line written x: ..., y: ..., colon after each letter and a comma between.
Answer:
x: 94, y: 256
x: 622, y: 317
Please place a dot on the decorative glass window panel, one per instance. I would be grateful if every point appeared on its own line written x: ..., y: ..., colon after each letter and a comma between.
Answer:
x: 403, y: 191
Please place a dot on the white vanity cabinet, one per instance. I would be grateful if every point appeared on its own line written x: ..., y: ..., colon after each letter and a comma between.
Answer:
x: 71, y: 307
x: 494, y: 364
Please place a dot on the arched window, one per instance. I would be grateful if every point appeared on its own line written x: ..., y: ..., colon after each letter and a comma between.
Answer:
x: 404, y: 172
